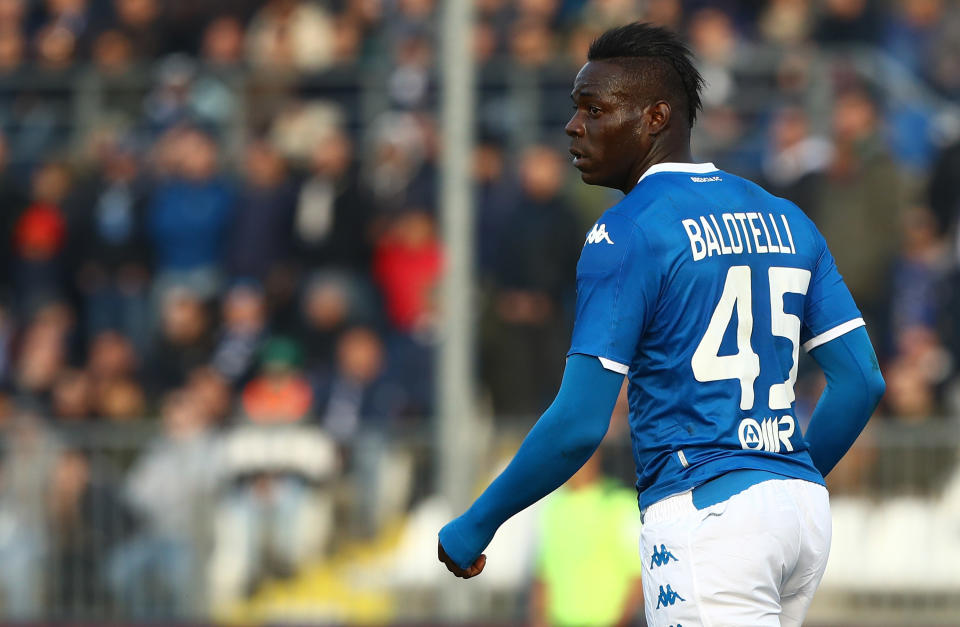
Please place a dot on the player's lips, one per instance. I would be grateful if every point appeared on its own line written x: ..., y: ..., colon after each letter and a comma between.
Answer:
x: 578, y: 157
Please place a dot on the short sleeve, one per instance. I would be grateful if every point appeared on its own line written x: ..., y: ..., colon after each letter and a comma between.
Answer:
x: 829, y: 309
x: 617, y: 287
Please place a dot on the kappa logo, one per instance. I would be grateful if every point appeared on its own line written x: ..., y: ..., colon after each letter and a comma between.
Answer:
x: 668, y: 597
x: 767, y: 435
x: 598, y: 234
x: 661, y: 556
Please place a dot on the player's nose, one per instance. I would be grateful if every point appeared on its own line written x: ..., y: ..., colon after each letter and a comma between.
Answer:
x: 574, y: 127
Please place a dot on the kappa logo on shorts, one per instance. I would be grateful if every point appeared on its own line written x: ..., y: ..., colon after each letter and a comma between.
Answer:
x: 668, y: 597
x: 598, y: 234
x: 661, y: 556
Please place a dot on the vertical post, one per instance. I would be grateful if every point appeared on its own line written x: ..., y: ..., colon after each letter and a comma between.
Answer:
x: 455, y: 389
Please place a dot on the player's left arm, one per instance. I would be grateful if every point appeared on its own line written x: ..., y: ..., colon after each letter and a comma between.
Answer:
x: 854, y: 388
x: 561, y: 441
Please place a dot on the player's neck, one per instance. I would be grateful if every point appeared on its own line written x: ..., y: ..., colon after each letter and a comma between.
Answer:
x: 678, y: 152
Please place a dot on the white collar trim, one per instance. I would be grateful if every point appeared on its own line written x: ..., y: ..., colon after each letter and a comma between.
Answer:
x: 692, y: 168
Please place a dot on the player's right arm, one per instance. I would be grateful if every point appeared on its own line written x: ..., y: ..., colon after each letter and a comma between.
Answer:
x: 564, y: 438
x: 616, y: 290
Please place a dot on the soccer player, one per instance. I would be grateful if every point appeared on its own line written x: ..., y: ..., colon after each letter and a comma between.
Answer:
x: 701, y: 288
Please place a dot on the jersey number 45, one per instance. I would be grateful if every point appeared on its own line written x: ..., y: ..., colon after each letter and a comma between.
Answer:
x: 708, y: 365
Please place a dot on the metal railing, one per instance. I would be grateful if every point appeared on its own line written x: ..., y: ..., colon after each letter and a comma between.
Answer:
x: 77, y: 541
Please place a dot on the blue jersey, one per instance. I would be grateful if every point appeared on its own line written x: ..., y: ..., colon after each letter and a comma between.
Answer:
x: 702, y: 287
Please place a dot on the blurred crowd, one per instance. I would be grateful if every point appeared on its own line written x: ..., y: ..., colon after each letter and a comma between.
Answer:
x: 234, y: 246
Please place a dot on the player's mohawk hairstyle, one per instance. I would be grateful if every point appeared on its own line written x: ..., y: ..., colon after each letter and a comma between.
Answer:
x: 644, y: 41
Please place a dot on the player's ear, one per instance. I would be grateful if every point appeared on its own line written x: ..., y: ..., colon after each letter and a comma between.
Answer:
x: 658, y: 117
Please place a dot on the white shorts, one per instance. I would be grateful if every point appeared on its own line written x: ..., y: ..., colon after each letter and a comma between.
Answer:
x: 754, y: 560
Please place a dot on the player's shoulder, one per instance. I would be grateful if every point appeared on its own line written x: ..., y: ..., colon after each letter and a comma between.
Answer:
x: 614, y: 236
x: 809, y: 240
x: 753, y: 189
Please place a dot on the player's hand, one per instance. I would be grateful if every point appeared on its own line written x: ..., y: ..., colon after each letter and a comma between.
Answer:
x: 475, y: 569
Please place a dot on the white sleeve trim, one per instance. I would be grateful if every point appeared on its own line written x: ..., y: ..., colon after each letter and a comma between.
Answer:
x: 833, y: 334
x: 615, y: 366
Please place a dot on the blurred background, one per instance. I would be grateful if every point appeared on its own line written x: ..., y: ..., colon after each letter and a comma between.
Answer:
x: 222, y: 246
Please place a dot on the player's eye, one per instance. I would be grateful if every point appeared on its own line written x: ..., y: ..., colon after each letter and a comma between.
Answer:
x: 594, y: 110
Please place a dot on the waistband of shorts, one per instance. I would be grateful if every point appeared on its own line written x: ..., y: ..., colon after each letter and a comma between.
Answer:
x: 714, y: 491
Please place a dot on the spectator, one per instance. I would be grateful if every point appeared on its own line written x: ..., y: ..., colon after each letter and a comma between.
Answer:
x: 40, y: 239
x: 356, y: 394
x: 113, y: 53
x: 209, y: 388
x: 535, y: 269
x: 242, y: 333
x: 280, y: 394
x: 275, y: 510
x: 87, y: 521
x: 12, y: 13
x: 140, y: 21
x: 918, y: 274
x: 110, y: 256
x: 189, y: 216
x: 112, y: 364
x: 531, y: 43
x: 121, y: 400
x: 332, y: 223
x: 913, y: 29
x: 13, y: 198
x: 12, y: 50
x: 42, y: 355
x: 406, y: 266
x: 183, y: 94
x: 587, y: 530
x: 157, y: 573
x: 486, y: 42
x: 291, y: 35
x: 860, y: 201
x: 916, y: 376
x: 609, y: 13
x: 331, y: 302
x: 111, y: 356
x: 222, y: 46
x: 184, y: 342
x: 578, y: 43
x: 298, y: 127
x: 70, y: 14
x: 944, y: 69
x: 795, y: 166
x: 56, y: 48
x: 406, y: 16
x: 409, y: 81
x: 786, y: 23
x: 495, y: 193
x: 27, y: 469
x: 845, y: 22
x: 259, y: 241
x: 943, y: 192
x: 360, y: 403
x: 400, y: 172
x: 72, y: 397
x: 713, y: 38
